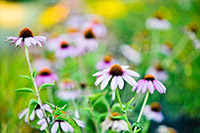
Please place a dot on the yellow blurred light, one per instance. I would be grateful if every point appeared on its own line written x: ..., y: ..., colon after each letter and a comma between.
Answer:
x: 54, y: 14
x: 11, y: 14
x: 109, y: 8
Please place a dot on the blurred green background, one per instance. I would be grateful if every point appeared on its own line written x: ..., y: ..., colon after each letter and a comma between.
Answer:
x: 126, y: 21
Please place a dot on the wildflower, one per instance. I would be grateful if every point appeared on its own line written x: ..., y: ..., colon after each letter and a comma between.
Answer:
x: 131, y: 54
x: 165, y: 129
x: 153, y: 112
x: 36, y: 111
x: 45, y: 76
x: 26, y: 38
x: 151, y: 83
x: 166, y: 48
x: 65, y: 126
x: 87, y: 42
x: 67, y: 90
x: 66, y: 50
x: 105, y: 63
x: 117, y: 73
x: 52, y: 43
x: 158, y: 71
x: 158, y: 22
x: 40, y: 63
x: 114, y: 124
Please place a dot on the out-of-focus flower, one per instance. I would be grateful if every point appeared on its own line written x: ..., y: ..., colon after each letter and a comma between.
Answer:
x: 107, y: 62
x: 166, y: 47
x: 165, y: 129
x: 12, y: 11
x: 114, y: 124
x: 52, y: 43
x: 158, y: 22
x: 153, y: 112
x: 36, y: 111
x: 149, y: 82
x: 45, y: 76
x: 67, y: 90
x: 54, y: 14
x: 65, y: 126
x: 109, y: 8
x: 40, y: 63
x: 26, y: 38
x: 158, y: 71
x: 87, y: 42
x: 131, y: 54
x: 117, y: 73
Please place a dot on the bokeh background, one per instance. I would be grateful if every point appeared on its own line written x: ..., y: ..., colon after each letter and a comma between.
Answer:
x: 125, y: 21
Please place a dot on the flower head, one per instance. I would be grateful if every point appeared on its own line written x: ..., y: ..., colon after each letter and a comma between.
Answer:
x: 26, y: 38
x: 105, y: 63
x: 36, y: 111
x: 153, y: 112
x: 45, y: 76
x: 114, y: 124
x: 149, y: 82
x: 167, y: 47
x: 117, y: 73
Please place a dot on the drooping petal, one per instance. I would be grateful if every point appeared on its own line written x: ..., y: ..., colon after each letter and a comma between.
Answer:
x: 54, y: 127
x: 23, y: 113
x: 26, y: 118
x: 41, y: 122
x: 144, y: 89
x: 32, y: 40
x: 163, y: 87
x: 140, y: 85
x: 32, y: 115
x: 130, y: 80
x: 39, y: 113
x: 105, y: 82
x: 43, y: 126
x: 101, y: 78
x: 18, y: 42
x: 125, y: 67
x: 132, y: 73
x: 64, y: 126
x: 114, y: 83
x: 150, y: 86
x: 120, y: 82
x: 98, y: 73
x: 158, y: 87
x: 70, y: 128
x: 27, y: 42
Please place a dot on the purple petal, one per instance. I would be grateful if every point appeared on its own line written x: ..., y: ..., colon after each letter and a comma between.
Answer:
x: 129, y: 79
x: 101, y: 78
x: 150, y: 86
x: 105, y: 82
x: 144, y: 89
x: 158, y: 87
x: 120, y: 82
x: 18, y: 41
x: 39, y: 113
x: 114, y: 83
x: 32, y: 115
x: 64, y: 126
x: 23, y: 113
x: 54, y: 127
x: 140, y: 85
x: 163, y: 87
x: 132, y: 73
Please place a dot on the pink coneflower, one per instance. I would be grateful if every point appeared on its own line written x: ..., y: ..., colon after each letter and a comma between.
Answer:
x: 158, y: 22
x: 40, y: 63
x: 117, y: 73
x: 105, y: 63
x: 64, y: 126
x: 149, y: 82
x: 66, y: 50
x: 67, y: 90
x: 166, y: 47
x: 153, y: 112
x: 26, y: 38
x: 158, y: 71
x: 114, y: 124
x: 36, y: 111
x: 165, y: 129
x: 87, y: 42
x: 45, y: 76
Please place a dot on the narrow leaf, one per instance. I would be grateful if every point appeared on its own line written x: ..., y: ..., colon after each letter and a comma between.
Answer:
x: 128, y: 104
x: 29, y: 90
x: 46, y: 85
x: 32, y: 105
x: 51, y: 105
x: 121, y: 117
x: 34, y: 73
x: 64, y: 107
x: 25, y: 76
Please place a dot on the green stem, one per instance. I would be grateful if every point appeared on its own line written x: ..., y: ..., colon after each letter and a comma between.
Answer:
x: 125, y: 115
x: 36, y: 89
x: 142, y: 109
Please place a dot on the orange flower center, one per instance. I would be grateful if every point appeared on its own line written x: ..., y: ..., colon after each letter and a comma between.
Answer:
x: 89, y: 34
x: 155, y: 106
x: 45, y: 72
x: 107, y: 58
x: 158, y: 15
x: 149, y: 77
x: 73, y: 30
x: 159, y: 67
x: 116, y: 70
x: 193, y: 27
x: 26, y: 32
x: 64, y: 44
x: 114, y: 114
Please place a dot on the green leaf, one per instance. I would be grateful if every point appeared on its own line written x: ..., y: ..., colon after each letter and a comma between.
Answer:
x: 121, y: 117
x: 32, y: 105
x: 95, y: 98
x: 128, y: 104
x: 46, y: 85
x: 127, y: 131
x: 25, y: 76
x: 51, y: 105
x: 29, y: 90
x: 65, y: 107
x: 34, y: 73
x: 69, y: 120
x: 138, y: 125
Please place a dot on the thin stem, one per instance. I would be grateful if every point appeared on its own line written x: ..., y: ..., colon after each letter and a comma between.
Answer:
x: 93, y: 117
x: 142, y: 109
x: 35, y: 86
x: 125, y: 115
